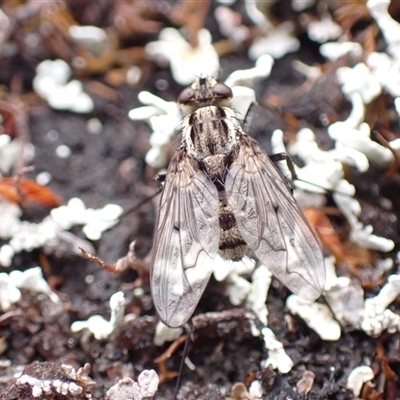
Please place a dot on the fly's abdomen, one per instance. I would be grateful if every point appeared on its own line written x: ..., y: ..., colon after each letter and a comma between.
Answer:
x: 231, y: 244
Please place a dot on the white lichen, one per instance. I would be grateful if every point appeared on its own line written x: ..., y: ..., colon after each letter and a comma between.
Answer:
x: 13, y: 150
x: 277, y: 42
x: 52, y: 84
x: 323, y: 30
x: 94, y: 126
x: 164, y: 333
x: 92, y: 38
x: 300, y: 5
x: 222, y: 268
x: 163, y: 117
x: 377, y: 317
x: 389, y: 27
x: 277, y: 356
x: 387, y: 72
x: 316, y: 315
x: 359, y: 79
x: 47, y: 388
x: 256, y: 389
x: 63, y: 151
x: 312, y: 73
x: 357, y: 377
x: 257, y: 297
x: 10, y: 219
x: 30, y: 279
x: 230, y: 24
x: 242, y: 81
x: 324, y: 169
x: 43, y: 178
x: 94, y: 222
x: 7, y: 254
x: 100, y: 327
x: 185, y: 61
x: 334, y: 50
x: 144, y: 389
x: 9, y: 293
x: 237, y: 288
x: 360, y: 140
x: 346, y: 300
x: 361, y: 235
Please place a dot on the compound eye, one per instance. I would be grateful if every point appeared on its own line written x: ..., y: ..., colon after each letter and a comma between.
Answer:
x: 186, y: 95
x: 221, y: 90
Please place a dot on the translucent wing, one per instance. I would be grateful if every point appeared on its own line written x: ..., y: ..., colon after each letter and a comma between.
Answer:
x: 186, y: 241
x: 271, y: 222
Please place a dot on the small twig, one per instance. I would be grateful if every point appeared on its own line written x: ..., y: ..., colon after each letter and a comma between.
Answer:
x: 130, y: 261
x: 21, y: 119
x: 396, y: 161
x: 192, y: 15
x: 165, y: 374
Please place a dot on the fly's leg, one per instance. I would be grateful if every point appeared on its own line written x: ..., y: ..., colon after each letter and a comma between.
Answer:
x: 160, y: 177
x: 249, y: 116
x: 189, y: 338
x: 289, y: 162
x: 285, y: 157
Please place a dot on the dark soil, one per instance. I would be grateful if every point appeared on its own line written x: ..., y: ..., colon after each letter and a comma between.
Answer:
x: 110, y: 168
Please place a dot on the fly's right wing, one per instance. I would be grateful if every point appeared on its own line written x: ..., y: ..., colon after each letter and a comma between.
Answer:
x: 186, y: 241
x: 272, y: 223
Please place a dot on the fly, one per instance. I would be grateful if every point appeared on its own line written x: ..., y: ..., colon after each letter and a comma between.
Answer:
x: 222, y: 196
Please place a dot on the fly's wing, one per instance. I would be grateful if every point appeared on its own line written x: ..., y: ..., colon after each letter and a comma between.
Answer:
x: 186, y: 241
x: 272, y: 223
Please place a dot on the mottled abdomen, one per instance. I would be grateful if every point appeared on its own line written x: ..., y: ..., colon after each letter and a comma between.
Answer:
x: 231, y: 244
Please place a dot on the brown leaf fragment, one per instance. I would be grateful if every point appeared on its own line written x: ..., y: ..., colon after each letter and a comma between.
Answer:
x: 389, y: 375
x: 391, y: 381
x: 342, y: 249
x: 326, y: 233
x: 305, y: 384
x: 239, y: 392
x: 369, y: 392
x: 23, y: 190
x: 349, y: 13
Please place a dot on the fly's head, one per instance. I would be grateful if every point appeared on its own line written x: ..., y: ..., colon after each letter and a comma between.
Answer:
x: 205, y: 92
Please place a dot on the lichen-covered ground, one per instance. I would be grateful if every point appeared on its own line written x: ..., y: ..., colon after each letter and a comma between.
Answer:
x: 85, y: 147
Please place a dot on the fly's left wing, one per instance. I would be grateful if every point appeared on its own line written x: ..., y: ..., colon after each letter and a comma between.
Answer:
x: 186, y: 241
x: 272, y: 223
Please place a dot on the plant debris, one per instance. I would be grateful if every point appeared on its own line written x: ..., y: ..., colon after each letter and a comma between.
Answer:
x: 88, y: 118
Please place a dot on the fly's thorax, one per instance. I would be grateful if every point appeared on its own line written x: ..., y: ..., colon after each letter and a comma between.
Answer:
x: 210, y: 131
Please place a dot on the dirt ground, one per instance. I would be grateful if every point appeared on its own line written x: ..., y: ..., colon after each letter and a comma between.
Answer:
x: 109, y: 167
